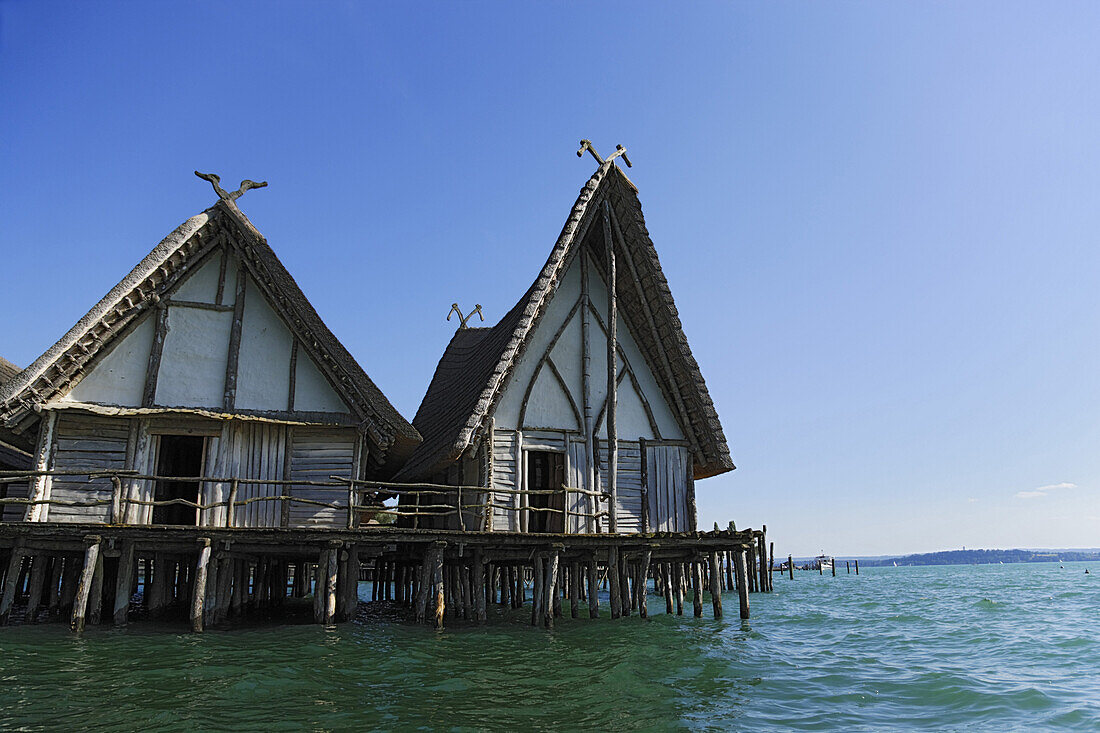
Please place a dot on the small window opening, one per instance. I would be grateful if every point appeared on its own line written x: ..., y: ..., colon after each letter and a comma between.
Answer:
x: 180, y: 456
x: 546, y: 472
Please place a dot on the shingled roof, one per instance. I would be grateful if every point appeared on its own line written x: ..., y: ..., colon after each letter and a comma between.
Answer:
x: 224, y: 224
x: 477, y: 363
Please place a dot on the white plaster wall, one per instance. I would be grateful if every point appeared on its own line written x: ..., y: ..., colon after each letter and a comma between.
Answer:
x: 229, y: 293
x: 192, y: 365
x: 201, y: 286
x: 547, y: 406
x: 662, y: 414
x: 263, y: 365
x: 507, y: 412
x: 312, y: 392
x: 119, y: 377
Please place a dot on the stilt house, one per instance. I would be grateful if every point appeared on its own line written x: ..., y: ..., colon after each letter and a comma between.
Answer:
x: 12, y: 456
x: 205, y: 361
x: 583, y: 409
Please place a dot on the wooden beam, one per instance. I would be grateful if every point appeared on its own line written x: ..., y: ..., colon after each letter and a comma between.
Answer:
x: 198, y: 590
x: 230, y: 398
x: 123, y: 582
x: 591, y: 504
x: 612, y: 376
x: 84, y: 589
x: 43, y: 460
x: 152, y: 367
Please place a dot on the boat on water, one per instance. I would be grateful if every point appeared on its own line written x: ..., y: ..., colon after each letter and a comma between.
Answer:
x: 824, y: 563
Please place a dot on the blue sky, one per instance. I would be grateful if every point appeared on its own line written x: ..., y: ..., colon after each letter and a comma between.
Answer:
x: 879, y: 220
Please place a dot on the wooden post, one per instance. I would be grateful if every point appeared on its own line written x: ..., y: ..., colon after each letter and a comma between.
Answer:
x: 697, y: 588
x: 833, y: 563
x: 351, y: 583
x: 116, y: 500
x: 613, y: 581
x: 729, y: 570
x: 550, y: 588
x: 55, y: 585
x: 771, y: 566
x: 231, y: 507
x: 643, y: 583
x: 574, y: 590
x: 319, y: 586
x: 763, y: 548
x: 156, y: 591
x: 666, y: 570
x: 198, y: 590
x: 122, y: 583
x: 477, y: 568
x: 331, y: 576
x: 593, y: 587
x: 11, y: 581
x: 36, y: 585
x: 715, y: 586
x: 790, y: 566
x: 848, y: 566
x: 538, y: 595
x: 95, y: 600
x: 678, y: 586
x: 592, y: 504
x: 84, y: 590
x: 612, y: 379
x: 742, y: 583
x: 437, y: 582
x: 857, y: 567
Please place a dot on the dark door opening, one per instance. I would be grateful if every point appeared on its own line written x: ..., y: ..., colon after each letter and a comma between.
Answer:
x: 180, y: 455
x: 546, y: 472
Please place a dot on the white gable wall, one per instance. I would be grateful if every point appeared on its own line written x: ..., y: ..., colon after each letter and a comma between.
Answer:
x: 547, y: 406
x: 195, y: 353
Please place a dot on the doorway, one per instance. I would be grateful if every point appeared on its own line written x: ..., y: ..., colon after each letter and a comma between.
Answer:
x: 180, y: 456
x: 546, y: 472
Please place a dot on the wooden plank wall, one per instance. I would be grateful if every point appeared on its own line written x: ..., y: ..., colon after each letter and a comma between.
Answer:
x: 316, y: 454
x: 86, y: 442
x: 505, y: 476
x: 629, y: 485
x: 667, y: 467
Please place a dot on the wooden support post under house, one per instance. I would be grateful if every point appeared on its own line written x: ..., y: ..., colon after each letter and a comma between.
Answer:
x: 11, y: 581
x: 666, y: 572
x: 198, y: 589
x: 574, y: 590
x: 437, y: 582
x: 613, y: 581
x: 35, y: 586
x: 715, y: 586
x: 678, y: 586
x: 643, y: 583
x: 331, y: 577
x: 319, y: 582
x: 742, y: 583
x: 550, y: 588
x: 56, y: 576
x: 697, y: 588
x: 477, y: 569
x: 593, y: 587
x: 95, y: 599
x: 537, y: 590
x: 84, y: 589
x: 123, y: 584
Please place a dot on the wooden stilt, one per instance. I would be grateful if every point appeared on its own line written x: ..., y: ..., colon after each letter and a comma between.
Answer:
x: 56, y: 574
x: 559, y: 588
x: 613, y: 582
x: 593, y: 588
x: 715, y: 586
x: 697, y: 588
x: 551, y: 592
x: 437, y: 583
x: 331, y: 577
x: 643, y: 584
x: 84, y: 590
x: 574, y: 590
x: 11, y: 582
x: 36, y: 586
x: 678, y: 586
x: 742, y: 583
x: 319, y: 582
x: 538, y: 592
x: 666, y: 586
x: 198, y: 590
x: 95, y: 599
x: 478, y: 571
x: 123, y: 584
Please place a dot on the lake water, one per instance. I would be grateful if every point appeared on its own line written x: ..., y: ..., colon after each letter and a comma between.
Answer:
x: 995, y: 647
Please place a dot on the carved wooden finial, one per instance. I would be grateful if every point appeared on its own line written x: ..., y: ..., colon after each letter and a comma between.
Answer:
x: 619, y: 151
x: 215, y: 181
x: 464, y: 319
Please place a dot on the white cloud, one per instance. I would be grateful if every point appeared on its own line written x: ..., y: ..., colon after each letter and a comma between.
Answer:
x: 1043, y: 490
x: 972, y: 500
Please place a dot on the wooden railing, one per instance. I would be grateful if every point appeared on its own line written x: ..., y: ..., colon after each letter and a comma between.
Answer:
x: 359, y: 492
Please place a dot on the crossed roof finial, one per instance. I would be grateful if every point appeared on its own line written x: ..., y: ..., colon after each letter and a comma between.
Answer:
x: 455, y: 309
x: 619, y: 151
x: 215, y: 181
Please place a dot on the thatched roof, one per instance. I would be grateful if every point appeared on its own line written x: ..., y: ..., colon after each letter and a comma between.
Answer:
x: 222, y: 224
x: 7, y: 370
x: 478, y: 362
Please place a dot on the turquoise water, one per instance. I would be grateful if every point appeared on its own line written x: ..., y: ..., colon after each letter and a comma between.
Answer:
x: 995, y: 647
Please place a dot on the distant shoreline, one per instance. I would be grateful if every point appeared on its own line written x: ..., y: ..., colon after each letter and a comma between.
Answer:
x: 976, y: 557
